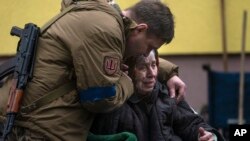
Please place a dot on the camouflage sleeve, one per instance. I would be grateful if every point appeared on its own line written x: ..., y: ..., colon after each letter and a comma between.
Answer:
x: 166, y: 70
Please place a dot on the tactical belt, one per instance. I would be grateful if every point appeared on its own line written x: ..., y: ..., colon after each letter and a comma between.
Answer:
x: 49, y: 97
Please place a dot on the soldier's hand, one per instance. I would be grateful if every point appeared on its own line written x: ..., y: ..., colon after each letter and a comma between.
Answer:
x: 124, y: 68
x: 177, y: 88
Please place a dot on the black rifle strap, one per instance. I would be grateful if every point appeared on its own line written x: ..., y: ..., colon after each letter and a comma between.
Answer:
x: 7, y: 67
x: 49, y: 97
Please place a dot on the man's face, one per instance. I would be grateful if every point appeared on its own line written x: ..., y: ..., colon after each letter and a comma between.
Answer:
x: 139, y: 43
x: 145, y: 73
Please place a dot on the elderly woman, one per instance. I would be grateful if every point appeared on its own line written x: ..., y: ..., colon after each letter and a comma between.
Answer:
x: 150, y: 113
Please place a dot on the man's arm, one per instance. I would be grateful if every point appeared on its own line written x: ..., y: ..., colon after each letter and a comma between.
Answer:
x: 166, y: 70
x: 96, y: 50
x: 168, y: 73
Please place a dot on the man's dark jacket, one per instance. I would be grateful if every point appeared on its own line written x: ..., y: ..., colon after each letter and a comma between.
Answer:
x: 156, y: 117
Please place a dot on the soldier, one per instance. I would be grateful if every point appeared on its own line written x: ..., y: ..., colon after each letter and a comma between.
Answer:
x: 77, y: 68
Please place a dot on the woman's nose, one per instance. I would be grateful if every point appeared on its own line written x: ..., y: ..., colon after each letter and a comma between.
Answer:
x: 150, y: 71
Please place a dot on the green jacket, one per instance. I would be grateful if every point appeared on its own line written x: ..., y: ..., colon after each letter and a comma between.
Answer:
x: 123, y: 136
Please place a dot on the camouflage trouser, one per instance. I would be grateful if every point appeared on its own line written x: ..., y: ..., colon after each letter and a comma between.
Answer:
x: 23, y: 134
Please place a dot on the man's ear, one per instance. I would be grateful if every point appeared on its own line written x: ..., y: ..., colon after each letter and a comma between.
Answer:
x: 142, y: 27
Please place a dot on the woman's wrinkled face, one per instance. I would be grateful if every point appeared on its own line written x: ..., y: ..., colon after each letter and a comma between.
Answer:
x: 145, y: 73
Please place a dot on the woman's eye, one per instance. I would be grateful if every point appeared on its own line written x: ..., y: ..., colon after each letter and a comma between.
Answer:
x: 142, y: 67
x: 153, y: 65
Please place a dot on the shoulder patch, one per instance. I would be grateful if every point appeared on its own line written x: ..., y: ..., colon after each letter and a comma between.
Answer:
x: 111, y: 65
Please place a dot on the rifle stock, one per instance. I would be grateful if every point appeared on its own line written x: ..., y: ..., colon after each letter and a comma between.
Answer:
x: 15, y: 98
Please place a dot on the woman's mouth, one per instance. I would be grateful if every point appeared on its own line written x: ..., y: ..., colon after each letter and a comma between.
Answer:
x: 149, y: 83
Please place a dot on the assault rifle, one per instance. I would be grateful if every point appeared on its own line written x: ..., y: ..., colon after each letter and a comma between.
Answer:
x: 23, y: 71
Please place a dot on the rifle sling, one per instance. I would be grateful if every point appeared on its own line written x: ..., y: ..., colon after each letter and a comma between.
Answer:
x: 54, y: 19
x: 49, y: 97
x: 60, y: 91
